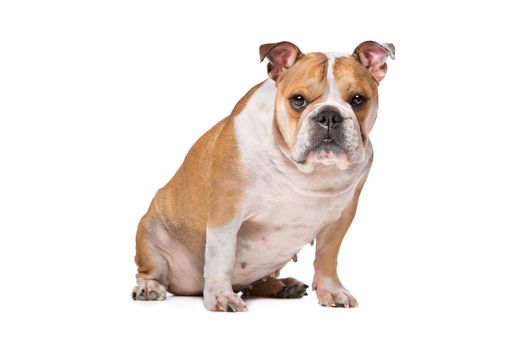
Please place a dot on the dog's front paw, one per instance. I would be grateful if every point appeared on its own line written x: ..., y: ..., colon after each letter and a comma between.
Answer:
x: 149, y: 290
x: 335, y: 295
x: 224, y: 301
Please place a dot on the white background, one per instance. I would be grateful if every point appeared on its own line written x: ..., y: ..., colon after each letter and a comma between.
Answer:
x: 100, y: 101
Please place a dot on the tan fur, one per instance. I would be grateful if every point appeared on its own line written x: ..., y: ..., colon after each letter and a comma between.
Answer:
x: 203, y: 192
x: 208, y: 198
x: 147, y: 268
x: 353, y: 78
x: 307, y: 77
x: 329, y: 239
x: 280, y: 55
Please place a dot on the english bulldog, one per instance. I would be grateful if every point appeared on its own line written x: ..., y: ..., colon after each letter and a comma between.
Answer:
x: 284, y: 169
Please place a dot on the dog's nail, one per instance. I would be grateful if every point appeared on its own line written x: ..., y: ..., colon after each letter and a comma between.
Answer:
x: 294, y: 258
x: 306, y: 286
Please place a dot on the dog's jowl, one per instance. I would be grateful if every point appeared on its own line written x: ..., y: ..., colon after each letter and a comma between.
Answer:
x: 286, y: 168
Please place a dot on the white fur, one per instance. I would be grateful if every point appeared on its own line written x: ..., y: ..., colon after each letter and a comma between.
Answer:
x: 219, y: 257
x: 284, y: 208
x: 221, y: 243
x: 174, y: 262
x: 332, y: 94
x: 331, y: 97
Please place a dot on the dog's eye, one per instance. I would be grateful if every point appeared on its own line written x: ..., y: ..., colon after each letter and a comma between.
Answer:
x: 298, y: 102
x: 357, y: 100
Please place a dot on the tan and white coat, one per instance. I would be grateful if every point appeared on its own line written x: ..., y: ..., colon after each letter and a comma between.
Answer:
x: 253, y: 191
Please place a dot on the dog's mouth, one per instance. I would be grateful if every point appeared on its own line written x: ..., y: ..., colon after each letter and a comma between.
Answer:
x: 325, y: 148
x: 329, y: 151
x: 327, y: 145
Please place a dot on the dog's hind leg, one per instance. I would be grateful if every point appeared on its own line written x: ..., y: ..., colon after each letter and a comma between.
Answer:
x: 271, y: 287
x: 152, y: 279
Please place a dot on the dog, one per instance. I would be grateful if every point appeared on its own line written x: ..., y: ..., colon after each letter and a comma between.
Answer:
x: 285, y: 169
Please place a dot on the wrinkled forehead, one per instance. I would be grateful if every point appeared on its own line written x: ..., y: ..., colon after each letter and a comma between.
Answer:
x: 314, y: 71
x: 350, y: 74
x: 309, y: 69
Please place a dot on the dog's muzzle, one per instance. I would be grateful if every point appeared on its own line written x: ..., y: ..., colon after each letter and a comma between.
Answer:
x: 329, y: 130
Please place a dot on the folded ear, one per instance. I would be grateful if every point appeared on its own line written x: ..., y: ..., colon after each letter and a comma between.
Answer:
x: 373, y: 56
x: 281, y: 56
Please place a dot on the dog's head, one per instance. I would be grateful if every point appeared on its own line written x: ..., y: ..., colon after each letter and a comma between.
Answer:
x: 326, y: 103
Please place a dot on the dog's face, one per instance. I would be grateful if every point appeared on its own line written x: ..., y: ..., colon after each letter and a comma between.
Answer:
x: 325, y: 107
x: 326, y: 104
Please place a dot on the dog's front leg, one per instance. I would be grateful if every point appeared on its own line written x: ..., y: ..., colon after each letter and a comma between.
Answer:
x: 221, y: 244
x: 330, y: 291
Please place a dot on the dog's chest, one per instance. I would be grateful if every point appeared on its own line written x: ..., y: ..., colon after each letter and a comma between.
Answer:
x: 280, y: 222
x: 284, y: 209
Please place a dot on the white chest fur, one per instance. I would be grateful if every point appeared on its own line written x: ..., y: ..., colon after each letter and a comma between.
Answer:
x: 283, y: 208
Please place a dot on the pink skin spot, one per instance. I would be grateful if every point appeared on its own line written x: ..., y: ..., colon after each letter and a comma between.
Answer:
x: 243, y: 265
x: 264, y: 240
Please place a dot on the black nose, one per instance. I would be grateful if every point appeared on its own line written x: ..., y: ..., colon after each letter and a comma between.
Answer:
x: 328, y: 118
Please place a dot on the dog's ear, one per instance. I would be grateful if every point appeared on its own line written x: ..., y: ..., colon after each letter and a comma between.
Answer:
x: 373, y: 56
x: 281, y: 56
